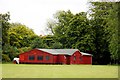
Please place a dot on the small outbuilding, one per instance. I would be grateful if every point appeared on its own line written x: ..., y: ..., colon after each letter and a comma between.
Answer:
x: 16, y: 60
x: 55, y: 56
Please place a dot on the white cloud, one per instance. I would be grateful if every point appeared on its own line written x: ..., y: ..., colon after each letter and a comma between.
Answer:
x: 34, y: 13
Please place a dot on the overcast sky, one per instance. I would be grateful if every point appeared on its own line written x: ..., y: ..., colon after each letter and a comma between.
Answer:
x: 35, y: 13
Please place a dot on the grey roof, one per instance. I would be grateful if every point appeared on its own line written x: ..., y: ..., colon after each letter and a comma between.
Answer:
x: 62, y: 51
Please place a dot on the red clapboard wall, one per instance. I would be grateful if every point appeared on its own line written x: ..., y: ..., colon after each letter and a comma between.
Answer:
x: 55, y: 56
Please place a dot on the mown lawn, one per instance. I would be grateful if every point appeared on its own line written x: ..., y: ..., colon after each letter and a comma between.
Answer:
x: 0, y: 70
x: 58, y: 71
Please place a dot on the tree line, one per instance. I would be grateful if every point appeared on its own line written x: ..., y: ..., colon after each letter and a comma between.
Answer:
x: 94, y: 32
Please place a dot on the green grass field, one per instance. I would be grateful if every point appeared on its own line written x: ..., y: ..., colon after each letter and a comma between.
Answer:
x: 58, y: 71
x: 0, y: 70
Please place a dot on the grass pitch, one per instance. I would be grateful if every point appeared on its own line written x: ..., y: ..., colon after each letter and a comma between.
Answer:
x: 58, y: 71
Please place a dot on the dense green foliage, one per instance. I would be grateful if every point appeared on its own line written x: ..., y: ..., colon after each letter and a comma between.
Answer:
x: 4, y: 18
x: 73, y: 31
x: 20, y: 35
x: 99, y: 21
x: 113, y: 27
x: 105, y: 22
x: 96, y: 34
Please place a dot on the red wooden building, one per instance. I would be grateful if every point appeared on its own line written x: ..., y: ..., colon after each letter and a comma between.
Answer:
x: 55, y: 56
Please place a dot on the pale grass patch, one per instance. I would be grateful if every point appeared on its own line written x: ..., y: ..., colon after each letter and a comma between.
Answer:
x: 59, y: 71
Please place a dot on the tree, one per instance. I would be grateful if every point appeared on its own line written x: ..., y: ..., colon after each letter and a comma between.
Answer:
x: 57, y: 45
x: 51, y: 42
x: 5, y: 58
x: 37, y: 43
x: 105, y: 25
x: 113, y: 31
x: 4, y: 26
x: 118, y: 33
x: 48, y: 40
x: 73, y: 31
x: 50, y: 26
x: 23, y: 49
x: 89, y: 35
x: 61, y: 22
x: 80, y: 32
x: 9, y: 51
x: 15, y: 36
x: 20, y: 35
x: 4, y: 18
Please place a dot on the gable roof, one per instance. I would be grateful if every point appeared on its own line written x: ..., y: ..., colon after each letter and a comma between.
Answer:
x: 62, y: 51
